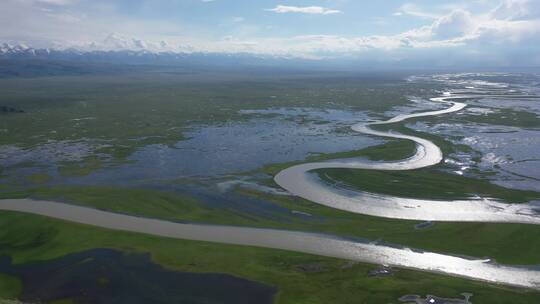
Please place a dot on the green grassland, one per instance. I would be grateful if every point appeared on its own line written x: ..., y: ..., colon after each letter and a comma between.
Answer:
x: 134, y: 110
x: 425, y: 183
x: 30, y: 238
x: 10, y: 287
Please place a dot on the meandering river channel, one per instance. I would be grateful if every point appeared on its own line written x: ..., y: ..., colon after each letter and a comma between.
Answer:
x: 299, y: 182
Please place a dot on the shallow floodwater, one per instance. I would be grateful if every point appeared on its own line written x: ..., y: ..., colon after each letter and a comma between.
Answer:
x: 264, y: 137
x: 272, y: 136
x: 512, y: 152
x: 49, y: 153
x: 244, y: 146
x: 211, y: 158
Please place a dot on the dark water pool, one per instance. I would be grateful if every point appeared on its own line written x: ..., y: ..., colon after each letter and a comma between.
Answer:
x: 109, y: 276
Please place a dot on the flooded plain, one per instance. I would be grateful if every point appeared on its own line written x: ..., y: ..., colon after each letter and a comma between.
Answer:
x: 278, y: 135
x: 265, y: 137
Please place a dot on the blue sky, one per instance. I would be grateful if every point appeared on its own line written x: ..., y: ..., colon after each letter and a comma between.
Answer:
x: 496, y: 30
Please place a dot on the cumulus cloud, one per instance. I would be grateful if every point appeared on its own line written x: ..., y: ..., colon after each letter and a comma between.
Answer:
x: 304, y: 10
x: 456, y: 24
x: 513, y: 21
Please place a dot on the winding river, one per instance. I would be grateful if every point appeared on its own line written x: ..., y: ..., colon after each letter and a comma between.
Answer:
x: 299, y: 182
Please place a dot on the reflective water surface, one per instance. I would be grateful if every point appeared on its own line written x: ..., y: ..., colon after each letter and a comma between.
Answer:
x: 273, y: 138
x: 484, y: 270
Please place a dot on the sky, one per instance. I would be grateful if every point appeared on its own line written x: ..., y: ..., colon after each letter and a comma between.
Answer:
x: 503, y: 32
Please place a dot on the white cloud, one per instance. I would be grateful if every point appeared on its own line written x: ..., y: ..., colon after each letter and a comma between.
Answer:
x: 517, y: 10
x: 303, y: 9
x: 509, y: 25
x: 458, y: 23
x: 454, y: 29
x: 413, y: 10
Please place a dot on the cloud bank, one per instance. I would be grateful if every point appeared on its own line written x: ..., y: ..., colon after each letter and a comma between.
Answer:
x: 505, y: 34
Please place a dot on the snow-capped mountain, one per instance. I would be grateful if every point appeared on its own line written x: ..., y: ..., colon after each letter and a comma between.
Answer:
x: 8, y: 49
x: 112, y: 42
x: 116, y: 48
x: 116, y: 51
x: 135, y: 47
